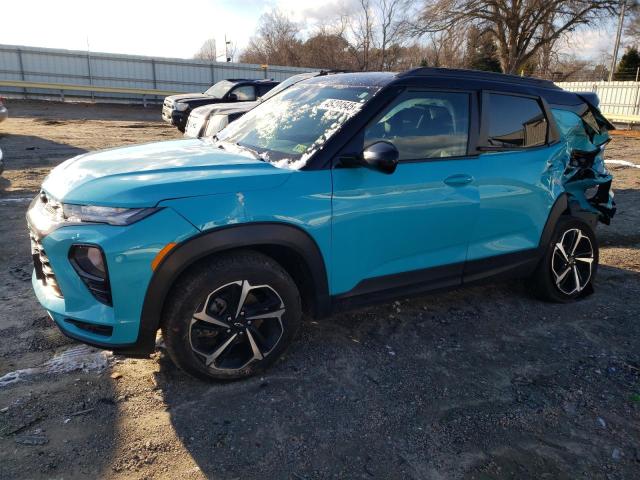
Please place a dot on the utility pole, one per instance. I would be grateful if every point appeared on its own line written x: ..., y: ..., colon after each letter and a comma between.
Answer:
x: 614, y: 60
x: 226, y: 48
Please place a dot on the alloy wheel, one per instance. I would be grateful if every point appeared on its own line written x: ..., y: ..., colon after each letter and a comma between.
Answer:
x: 572, y: 262
x: 236, y: 325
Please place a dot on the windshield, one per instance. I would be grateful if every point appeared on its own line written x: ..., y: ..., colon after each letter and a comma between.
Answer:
x: 220, y: 89
x: 293, y: 125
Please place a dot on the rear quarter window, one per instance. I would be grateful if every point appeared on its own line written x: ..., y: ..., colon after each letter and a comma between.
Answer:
x: 515, y: 122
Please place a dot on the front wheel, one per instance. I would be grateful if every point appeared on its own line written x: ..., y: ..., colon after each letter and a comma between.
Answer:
x: 231, y: 317
x: 570, y: 263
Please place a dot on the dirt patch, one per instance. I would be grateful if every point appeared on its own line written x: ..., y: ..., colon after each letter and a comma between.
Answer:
x: 40, y: 135
x: 477, y: 383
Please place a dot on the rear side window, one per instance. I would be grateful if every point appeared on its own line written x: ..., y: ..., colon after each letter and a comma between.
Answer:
x: 424, y: 125
x: 515, y: 122
x: 264, y: 89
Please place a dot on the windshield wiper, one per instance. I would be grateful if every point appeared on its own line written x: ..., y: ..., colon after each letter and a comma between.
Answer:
x: 257, y: 155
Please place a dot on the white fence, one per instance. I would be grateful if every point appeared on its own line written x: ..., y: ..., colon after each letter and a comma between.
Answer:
x: 616, y: 98
x: 47, y: 65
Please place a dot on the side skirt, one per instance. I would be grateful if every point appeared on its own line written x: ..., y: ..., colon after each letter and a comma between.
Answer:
x: 403, y: 285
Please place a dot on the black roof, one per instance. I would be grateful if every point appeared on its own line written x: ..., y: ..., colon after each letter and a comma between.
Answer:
x: 446, y: 77
x: 479, y: 75
x: 383, y: 78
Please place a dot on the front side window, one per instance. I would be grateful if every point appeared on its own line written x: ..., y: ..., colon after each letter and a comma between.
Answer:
x: 290, y: 127
x: 424, y: 125
x: 515, y: 122
x: 245, y: 93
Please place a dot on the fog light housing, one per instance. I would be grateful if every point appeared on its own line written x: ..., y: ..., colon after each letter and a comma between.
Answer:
x: 90, y: 264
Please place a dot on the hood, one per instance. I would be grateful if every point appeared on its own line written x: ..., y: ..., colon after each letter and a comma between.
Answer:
x: 143, y: 175
x: 224, y: 108
x: 191, y: 96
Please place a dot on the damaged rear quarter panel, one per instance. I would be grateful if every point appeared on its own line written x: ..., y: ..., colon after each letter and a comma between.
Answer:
x: 589, y: 184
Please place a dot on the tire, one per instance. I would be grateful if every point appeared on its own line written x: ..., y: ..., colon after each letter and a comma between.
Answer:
x: 210, y: 336
x: 570, y: 263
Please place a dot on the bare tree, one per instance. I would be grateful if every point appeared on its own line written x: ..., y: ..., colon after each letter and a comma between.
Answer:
x: 392, y: 25
x: 360, y: 28
x: 277, y: 43
x: 326, y: 49
x: 207, y: 51
x: 521, y: 28
x: 372, y: 29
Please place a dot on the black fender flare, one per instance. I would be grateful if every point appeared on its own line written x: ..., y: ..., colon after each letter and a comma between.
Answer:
x: 218, y: 240
x: 559, y: 208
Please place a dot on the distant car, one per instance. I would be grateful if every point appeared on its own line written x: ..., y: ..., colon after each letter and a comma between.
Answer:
x: 208, y: 120
x: 4, y: 113
x: 176, y: 108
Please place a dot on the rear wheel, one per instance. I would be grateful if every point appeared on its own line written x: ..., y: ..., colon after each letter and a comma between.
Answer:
x: 232, y: 317
x: 570, y: 263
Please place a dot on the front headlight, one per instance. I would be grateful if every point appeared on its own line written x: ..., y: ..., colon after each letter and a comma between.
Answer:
x: 111, y: 215
x: 181, y: 107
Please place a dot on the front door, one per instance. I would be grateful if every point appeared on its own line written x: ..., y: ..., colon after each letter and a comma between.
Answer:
x: 411, y: 226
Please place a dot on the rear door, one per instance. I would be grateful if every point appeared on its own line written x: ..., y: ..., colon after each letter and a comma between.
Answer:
x: 411, y: 226
x: 512, y: 175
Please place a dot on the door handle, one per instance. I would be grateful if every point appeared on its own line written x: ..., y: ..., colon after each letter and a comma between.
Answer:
x: 458, y: 180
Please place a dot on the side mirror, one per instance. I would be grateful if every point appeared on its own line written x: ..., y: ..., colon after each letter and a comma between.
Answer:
x: 232, y: 97
x: 382, y: 156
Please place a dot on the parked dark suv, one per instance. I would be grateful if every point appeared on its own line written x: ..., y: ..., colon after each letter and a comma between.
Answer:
x: 176, y: 108
x: 340, y: 191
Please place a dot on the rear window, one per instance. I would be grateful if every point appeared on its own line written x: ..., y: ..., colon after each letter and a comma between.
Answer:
x: 515, y: 122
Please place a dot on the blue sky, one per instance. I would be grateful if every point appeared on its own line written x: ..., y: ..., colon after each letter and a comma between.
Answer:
x: 177, y: 29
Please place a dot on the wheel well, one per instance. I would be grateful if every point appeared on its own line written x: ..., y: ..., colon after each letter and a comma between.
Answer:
x: 292, y: 261
x: 297, y: 267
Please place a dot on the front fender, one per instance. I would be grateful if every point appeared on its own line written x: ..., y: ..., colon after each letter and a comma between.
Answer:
x: 218, y: 240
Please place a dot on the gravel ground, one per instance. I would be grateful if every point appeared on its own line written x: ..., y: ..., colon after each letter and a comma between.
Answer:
x: 476, y: 383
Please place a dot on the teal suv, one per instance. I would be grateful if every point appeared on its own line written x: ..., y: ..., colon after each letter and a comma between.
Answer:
x: 340, y: 191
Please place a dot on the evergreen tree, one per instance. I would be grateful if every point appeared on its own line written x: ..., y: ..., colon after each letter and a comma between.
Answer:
x: 628, y: 65
x: 482, y: 53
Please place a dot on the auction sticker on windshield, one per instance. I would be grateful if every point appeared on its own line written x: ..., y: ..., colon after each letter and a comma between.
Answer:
x: 337, y: 105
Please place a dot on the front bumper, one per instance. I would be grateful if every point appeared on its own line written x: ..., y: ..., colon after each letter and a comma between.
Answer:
x: 174, y: 117
x: 129, y: 252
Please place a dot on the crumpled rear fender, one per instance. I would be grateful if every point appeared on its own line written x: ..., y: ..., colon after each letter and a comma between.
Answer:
x: 585, y: 177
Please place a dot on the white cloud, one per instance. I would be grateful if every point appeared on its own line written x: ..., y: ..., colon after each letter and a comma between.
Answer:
x: 591, y: 43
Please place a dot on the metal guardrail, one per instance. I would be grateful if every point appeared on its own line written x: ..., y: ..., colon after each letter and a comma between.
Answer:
x: 62, y: 87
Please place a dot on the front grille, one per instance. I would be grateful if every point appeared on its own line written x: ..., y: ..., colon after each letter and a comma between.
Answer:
x: 168, y: 103
x: 42, y: 266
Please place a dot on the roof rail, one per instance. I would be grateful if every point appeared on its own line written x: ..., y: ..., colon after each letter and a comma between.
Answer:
x: 479, y: 75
